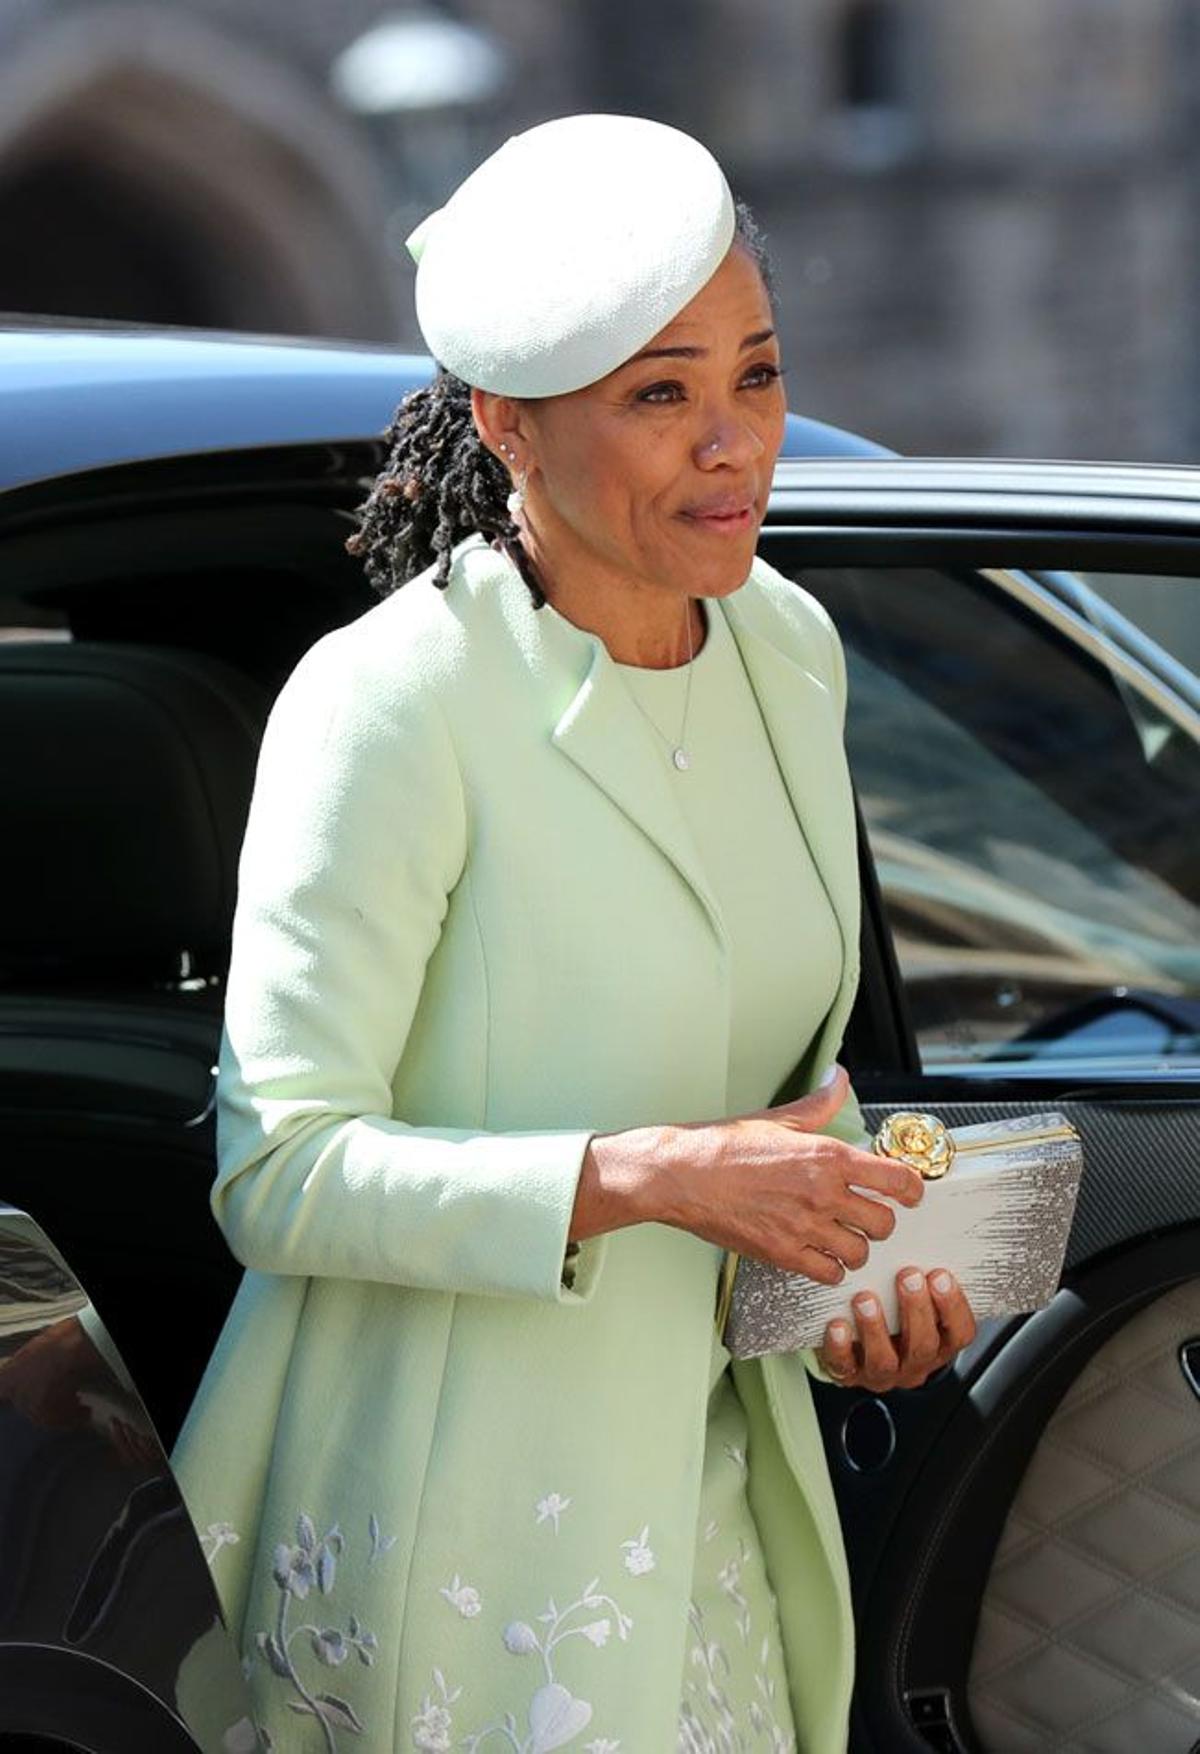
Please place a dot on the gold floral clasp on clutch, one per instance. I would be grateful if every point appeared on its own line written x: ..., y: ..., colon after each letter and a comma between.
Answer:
x: 927, y: 1144
x: 920, y: 1140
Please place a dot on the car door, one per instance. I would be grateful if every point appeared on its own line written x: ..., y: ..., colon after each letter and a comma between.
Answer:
x: 1022, y: 647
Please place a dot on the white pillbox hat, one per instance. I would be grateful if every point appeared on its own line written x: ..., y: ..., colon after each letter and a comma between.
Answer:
x: 567, y: 250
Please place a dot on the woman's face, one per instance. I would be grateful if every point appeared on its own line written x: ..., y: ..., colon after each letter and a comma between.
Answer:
x: 659, y: 473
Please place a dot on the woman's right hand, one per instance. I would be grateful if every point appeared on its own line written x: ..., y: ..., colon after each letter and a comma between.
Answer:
x: 764, y: 1184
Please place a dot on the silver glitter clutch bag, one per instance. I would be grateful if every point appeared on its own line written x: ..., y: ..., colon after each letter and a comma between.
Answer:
x: 997, y: 1213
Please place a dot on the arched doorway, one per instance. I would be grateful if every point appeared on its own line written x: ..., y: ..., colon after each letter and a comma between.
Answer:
x: 153, y: 170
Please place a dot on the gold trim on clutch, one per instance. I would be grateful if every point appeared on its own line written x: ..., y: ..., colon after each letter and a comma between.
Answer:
x: 729, y: 1269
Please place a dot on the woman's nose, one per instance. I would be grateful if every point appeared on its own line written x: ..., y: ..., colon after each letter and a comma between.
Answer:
x: 728, y: 441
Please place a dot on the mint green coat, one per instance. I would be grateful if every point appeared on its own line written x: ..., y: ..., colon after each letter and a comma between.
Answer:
x: 449, y: 1485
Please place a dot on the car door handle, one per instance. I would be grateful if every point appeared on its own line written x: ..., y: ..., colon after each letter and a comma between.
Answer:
x: 1189, y: 1363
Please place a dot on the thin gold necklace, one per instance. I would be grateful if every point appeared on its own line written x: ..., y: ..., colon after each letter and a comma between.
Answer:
x: 679, y: 755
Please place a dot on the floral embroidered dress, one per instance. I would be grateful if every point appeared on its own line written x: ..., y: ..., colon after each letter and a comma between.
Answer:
x: 786, y: 963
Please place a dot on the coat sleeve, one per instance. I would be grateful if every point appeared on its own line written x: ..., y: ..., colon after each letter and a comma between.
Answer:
x: 356, y: 837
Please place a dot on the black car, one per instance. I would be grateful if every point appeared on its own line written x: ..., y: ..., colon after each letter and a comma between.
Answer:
x: 1023, y: 641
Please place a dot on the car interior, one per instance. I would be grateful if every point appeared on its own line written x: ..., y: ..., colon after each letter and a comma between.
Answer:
x: 137, y: 736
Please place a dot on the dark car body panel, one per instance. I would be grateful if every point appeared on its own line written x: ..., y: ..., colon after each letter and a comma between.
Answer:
x: 110, y: 1628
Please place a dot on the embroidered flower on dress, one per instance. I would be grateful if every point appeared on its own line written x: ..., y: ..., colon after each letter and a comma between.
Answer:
x: 431, y: 1728
x: 550, y: 1508
x: 639, y: 1556
x: 464, y: 1597
x: 556, y: 1716
x: 216, y: 1536
x: 708, y: 1723
x: 433, y: 1724
x: 308, y: 1566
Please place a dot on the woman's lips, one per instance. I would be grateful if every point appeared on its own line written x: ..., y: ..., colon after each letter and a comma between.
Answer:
x: 724, y: 517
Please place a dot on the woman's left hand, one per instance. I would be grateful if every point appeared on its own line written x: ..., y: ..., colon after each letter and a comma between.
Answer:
x: 935, y: 1323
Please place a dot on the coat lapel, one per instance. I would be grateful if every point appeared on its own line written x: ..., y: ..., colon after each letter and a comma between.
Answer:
x: 604, y: 735
x: 803, y: 724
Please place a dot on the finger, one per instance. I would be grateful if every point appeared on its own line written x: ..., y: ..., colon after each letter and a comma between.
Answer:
x: 836, y: 1355
x: 920, y: 1337
x: 880, y: 1363
x: 814, y: 1263
x: 884, y: 1175
x: 875, y: 1217
x: 844, y: 1244
x: 955, y: 1316
x: 813, y: 1111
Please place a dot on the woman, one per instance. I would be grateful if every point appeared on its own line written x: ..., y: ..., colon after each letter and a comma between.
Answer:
x: 530, y: 928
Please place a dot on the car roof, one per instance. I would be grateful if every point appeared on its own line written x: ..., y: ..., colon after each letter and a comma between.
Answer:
x: 86, y: 393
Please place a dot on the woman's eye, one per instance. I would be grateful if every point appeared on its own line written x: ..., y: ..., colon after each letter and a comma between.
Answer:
x: 760, y: 375
x: 670, y: 390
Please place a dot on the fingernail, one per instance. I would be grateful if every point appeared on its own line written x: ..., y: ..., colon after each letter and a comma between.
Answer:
x: 914, y: 1282
x: 866, y: 1305
x: 828, y: 1076
x: 942, y: 1282
x: 839, y: 1333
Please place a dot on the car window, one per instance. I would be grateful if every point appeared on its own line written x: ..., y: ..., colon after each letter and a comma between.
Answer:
x: 1031, y: 789
x: 1163, y: 607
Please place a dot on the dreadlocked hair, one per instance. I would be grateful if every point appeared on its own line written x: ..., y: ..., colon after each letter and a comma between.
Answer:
x: 440, y: 482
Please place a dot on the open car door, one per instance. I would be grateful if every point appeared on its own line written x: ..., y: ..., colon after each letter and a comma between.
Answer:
x: 1022, y: 644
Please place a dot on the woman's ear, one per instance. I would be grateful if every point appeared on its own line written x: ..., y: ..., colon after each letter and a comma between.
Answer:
x: 498, y: 423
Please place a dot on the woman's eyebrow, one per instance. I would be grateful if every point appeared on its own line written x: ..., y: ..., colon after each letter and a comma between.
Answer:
x: 755, y: 340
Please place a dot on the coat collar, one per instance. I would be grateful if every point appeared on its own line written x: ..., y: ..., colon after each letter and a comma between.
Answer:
x: 600, y: 731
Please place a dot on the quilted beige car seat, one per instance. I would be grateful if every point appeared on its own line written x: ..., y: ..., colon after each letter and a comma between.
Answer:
x: 1089, y: 1637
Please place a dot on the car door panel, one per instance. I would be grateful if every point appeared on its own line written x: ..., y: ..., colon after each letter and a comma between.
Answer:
x: 1023, y: 1530
x: 923, y: 1530
x: 111, y: 1632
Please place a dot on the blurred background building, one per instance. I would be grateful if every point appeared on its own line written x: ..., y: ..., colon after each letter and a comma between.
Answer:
x: 983, y: 216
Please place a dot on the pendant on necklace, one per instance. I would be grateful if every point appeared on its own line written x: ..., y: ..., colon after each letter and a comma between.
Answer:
x: 680, y: 758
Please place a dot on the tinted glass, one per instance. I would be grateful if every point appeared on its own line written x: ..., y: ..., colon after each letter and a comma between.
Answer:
x: 1031, y: 787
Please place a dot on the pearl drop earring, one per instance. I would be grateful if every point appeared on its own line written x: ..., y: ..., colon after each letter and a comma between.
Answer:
x: 516, y: 498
